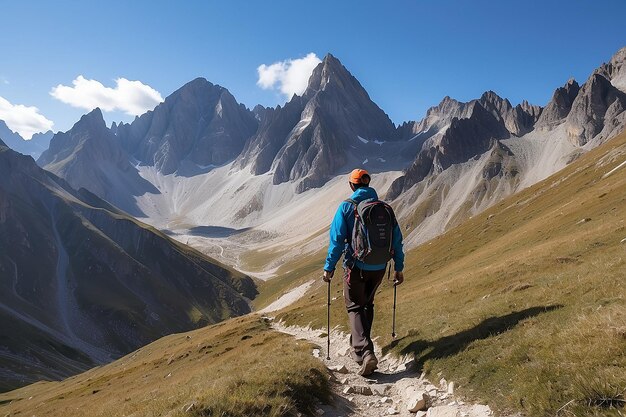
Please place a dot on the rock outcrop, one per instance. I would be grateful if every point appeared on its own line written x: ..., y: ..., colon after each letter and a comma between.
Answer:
x: 615, y: 70
x: 596, y: 100
x: 461, y: 140
x: 200, y: 124
x: 559, y: 106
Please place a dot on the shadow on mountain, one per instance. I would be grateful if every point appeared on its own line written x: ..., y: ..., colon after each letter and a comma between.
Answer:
x: 424, y: 351
x: 215, y: 231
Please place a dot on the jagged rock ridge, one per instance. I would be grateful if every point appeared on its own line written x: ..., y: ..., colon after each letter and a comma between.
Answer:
x: 308, y: 140
x: 199, y: 124
x: 89, y: 156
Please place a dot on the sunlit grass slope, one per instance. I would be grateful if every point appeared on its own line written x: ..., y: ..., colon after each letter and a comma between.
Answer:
x: 524, y: 305
x: 236, y: 368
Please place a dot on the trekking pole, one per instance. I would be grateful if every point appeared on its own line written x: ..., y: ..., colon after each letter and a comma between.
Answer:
x: 328, y: 325
x: 393, y: 321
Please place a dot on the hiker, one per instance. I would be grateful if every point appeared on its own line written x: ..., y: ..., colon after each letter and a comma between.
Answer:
x: 363, y: 274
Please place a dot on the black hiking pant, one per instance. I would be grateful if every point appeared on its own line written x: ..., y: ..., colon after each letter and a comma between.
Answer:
x: 359, y: 289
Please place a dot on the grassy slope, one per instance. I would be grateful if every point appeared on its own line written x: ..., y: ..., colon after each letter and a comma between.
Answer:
x: 236, y: 368
x: 524, y: 305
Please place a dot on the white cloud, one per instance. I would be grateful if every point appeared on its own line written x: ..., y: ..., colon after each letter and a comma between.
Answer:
x: 25, y: 120
x: 290, y: 76
x: 131, y: 97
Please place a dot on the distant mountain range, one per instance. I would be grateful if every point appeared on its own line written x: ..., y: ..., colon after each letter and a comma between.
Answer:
x: 33, y: 147
x: 200, y: 130
x: 84, y: 283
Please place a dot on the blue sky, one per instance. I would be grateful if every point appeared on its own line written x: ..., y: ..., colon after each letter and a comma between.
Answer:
x: 407, y: 54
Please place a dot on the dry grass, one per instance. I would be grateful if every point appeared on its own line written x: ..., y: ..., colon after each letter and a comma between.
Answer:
x: 521, y: 303
x: 236, y: 368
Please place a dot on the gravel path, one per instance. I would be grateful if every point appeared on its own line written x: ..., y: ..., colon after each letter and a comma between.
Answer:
x: 392, y: 390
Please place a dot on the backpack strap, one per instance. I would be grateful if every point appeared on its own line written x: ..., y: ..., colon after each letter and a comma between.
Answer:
x: 354, y: 205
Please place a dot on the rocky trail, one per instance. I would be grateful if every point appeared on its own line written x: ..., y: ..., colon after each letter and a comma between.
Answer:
x: 396, y: 388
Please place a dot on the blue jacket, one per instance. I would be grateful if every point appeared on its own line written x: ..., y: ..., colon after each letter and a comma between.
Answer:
x: 341, y: 231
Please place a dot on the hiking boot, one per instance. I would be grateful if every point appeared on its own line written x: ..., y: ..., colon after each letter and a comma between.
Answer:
x: 370, y: 363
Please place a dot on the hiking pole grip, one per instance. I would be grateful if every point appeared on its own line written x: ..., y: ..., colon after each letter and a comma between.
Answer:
x: 328, y: 325
x: 393, y: 321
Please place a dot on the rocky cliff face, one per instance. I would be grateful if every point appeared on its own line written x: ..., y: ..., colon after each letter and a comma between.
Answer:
x: 598, y: 100
x: 200, y: 124
x: 308, y: 140
x: 83, y: 283
x: 559, y: 106
x: 89, y: 156
x: 518, y: 120
x: 460, y: 140
x: 615, y: 70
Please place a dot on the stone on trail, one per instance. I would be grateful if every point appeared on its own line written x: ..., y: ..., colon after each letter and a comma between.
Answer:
x: 348, y: 390
x: 443, y: 411
x: 386, y: 400
x: 451, y: 388
x: 339, y: 369
x: 362, y: 390
x: 344, y: 381
x: 443, y: 384
x: 405, y: 366
x: 316, y: 353
x: 416, y: 399
x: 382, y: 389
x: 345, y: 352
x: 392, y: 411
x: 420, y: 414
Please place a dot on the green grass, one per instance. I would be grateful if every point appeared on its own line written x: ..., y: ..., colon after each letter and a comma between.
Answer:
x: 236, y: 368
x: 521, y: 303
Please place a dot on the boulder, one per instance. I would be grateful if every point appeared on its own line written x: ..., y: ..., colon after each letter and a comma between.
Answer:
x: 416, y: 399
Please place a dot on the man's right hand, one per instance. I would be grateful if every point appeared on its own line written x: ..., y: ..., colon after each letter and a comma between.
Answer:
x: 328, y: 275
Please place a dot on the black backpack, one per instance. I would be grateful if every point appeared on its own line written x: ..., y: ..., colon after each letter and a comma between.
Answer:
x: 372, y: 235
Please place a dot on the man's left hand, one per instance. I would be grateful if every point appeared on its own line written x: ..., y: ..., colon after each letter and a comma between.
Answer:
x: 398, y: 278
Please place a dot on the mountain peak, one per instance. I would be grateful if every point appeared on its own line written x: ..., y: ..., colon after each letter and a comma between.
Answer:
x: 620, y: 56
x: 92, y: 121
x: 491, y: 97
x: 330, y: 59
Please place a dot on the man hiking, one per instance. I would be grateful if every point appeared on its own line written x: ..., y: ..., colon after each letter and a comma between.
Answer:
x: 365, y: 230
